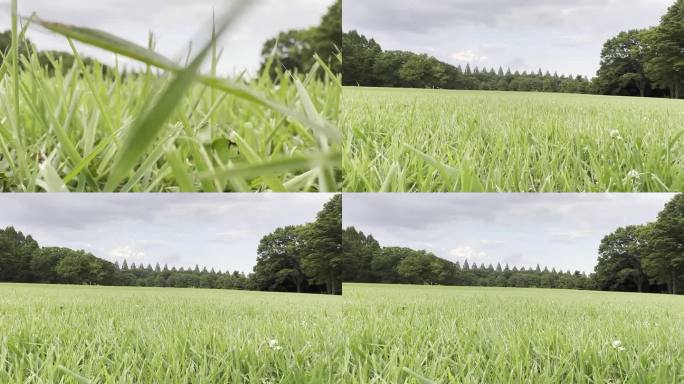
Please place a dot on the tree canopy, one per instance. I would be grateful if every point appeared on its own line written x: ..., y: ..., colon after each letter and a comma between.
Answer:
x: 295, y: 50
x: 368, y: 262
x: 366, y: 64
x: 305, y: 258
x: 645, y: 258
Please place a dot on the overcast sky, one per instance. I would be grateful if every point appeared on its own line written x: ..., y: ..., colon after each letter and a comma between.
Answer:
x: 213, y: 230
x: 174, y: 23
x: 556, y: 35
x: 554, y: 230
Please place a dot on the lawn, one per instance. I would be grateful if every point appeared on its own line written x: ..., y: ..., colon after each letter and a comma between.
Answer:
x: 441, y: 140
x: 426, y: 334
x: 82, y: 334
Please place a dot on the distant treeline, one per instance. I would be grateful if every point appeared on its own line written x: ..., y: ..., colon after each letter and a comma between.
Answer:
x: 22, y: 260
x: 635, y: 63
x: 368, y: 262
x: 366, y: 64
x: 646, y: 258
x: 309, y: 265
x: 49, y: 60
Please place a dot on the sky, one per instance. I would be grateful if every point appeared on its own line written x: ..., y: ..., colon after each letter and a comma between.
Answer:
x: 553, y: 230
x: 174, y: 23
x: 555, y: 35
x: 220, y: 231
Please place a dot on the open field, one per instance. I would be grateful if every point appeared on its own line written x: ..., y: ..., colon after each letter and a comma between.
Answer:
x: 69, y: 334
x: 440, y: 140
x: 422, y: 334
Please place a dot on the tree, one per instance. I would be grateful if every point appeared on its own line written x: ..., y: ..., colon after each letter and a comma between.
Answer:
x: 294, y: 50
x: 358, y: 251
x: 419, y: 267
x: 665, y: 260
x: 322, y: 258
x: 665, y: 56
x: 622, y: 65
x: 359, y: 55
x: 16, y: 252
x: 278, y: 260
x: 619, y: 266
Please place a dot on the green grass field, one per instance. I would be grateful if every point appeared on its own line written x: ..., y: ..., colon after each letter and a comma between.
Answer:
x: 80, y: 334
x: 442, y: 140
x: 170, y: 127
x: 421, y: 334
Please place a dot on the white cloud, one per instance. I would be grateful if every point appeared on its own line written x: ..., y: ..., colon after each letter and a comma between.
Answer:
x: 126, y: 252
x: 468, y: 253
x: 469, y: 56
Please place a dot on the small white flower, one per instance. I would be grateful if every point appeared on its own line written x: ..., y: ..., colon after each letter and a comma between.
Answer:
x: 617, y: 344
x: 273, y: 343
x: 633, y: 174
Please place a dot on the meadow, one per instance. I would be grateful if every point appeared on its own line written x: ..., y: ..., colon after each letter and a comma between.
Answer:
x: 88, y: 334
x: 437, y: 334
x: 174, y: 125
x: 417, y: 140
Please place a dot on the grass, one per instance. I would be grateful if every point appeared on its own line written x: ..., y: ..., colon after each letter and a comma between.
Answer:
x: 421, y: 334
x: 438, y: 140
x: 168, y: 128
x: 80, y: 334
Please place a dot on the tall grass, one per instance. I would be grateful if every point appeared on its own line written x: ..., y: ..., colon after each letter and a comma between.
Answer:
x: 79, y: 334
x: 437, y: 140
x: 420, y: 334
x: 169, y: 128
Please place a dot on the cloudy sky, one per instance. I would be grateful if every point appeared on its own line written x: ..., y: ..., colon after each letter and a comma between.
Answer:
x: 556, y: 35
x: 174, y: 22
x: 554, y: 230
x: 214, y: 230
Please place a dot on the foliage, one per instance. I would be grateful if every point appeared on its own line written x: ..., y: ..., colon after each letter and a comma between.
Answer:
x: 295, y: 50
x: 366, y: 262
x: 622, y: 65
x: 366, y: 64
x: 305, y: 257
x: 664, y: 64
x: 645, y: 258
x: 22, y: 260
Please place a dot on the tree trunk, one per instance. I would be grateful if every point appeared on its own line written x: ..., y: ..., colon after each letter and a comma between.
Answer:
x: 298, y: 282
x: 674, y: 284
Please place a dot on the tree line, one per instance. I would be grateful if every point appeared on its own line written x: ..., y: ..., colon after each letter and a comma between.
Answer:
x: 645, y: 258
x: 367, y: 64
x: 49, y: 60
x: 647, y: 62
x: 637, y: 258
x: 366, y: 261
x: 22, y: 260
x: 314, y: 266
